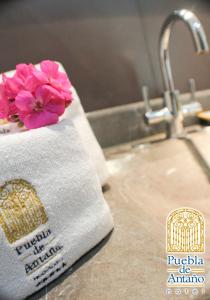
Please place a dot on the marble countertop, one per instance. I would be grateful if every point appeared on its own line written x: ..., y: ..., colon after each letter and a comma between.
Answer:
x: 146, y: 183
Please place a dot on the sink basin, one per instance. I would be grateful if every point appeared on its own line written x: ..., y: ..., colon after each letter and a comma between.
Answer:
x: 147, y: 184
x: 199, y: 143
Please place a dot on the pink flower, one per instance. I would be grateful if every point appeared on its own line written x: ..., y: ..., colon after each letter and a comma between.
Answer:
x: 35, y: 97
x: 11, y: 86
x: 25, y: 78
x: 41, y: 109
x: 3, y: 107
x: 7, y: 102
x: 22, y: 79
x: 50, y: 74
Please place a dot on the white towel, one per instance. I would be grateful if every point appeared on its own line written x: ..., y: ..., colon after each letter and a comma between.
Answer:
x: 52, y: 210
x: 76, y: 113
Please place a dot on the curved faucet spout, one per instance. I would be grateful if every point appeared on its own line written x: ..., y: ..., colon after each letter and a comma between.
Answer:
x: 199, y: 38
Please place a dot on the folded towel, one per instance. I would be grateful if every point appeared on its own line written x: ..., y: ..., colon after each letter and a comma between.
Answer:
x: 76, y: 113
x: 52, y: 210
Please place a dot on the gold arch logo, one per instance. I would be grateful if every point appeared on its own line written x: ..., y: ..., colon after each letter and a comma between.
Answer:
x: 185, y: 231
x: 21, y: 210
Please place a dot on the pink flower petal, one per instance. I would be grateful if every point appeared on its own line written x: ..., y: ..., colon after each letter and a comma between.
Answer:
x: 13, y: 110
x: 31, y: 83
x: 2, y: 91
x: 24, y: 70
x: 22, y: 115
x: 61, y: 82
x: 25, y: 101
x: 43, y: 94
x: 55, y: 93
x: 40, y: 76
x: 40, y: 119
x: 50, y: 68
x: 12, y: 85
x: 68, y: 96
x: 64, y: 80
x: 56, y: 106
x: 47, y: 93
x: 4, y: 109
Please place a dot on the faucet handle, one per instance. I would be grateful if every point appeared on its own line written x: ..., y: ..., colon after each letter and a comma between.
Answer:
x: 192, y: 86
x: 191, y: 109
x: 153, y: 117
x: 145, y: 95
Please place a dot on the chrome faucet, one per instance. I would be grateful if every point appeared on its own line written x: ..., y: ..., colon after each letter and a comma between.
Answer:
x: 173, y: 112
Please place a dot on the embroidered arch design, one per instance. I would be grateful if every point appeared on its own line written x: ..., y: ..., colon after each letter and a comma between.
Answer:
x: 185, y: 231
x: 21, y: 210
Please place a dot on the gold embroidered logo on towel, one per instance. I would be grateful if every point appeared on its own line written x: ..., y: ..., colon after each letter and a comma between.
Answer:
x: 185, y: 231
x: 21, y: 210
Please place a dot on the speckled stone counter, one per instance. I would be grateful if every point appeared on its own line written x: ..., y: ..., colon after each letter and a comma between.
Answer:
x: 146, y: 183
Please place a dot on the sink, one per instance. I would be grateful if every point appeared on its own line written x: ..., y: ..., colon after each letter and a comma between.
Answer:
x: 199, y: 143
x: 147, y: 183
